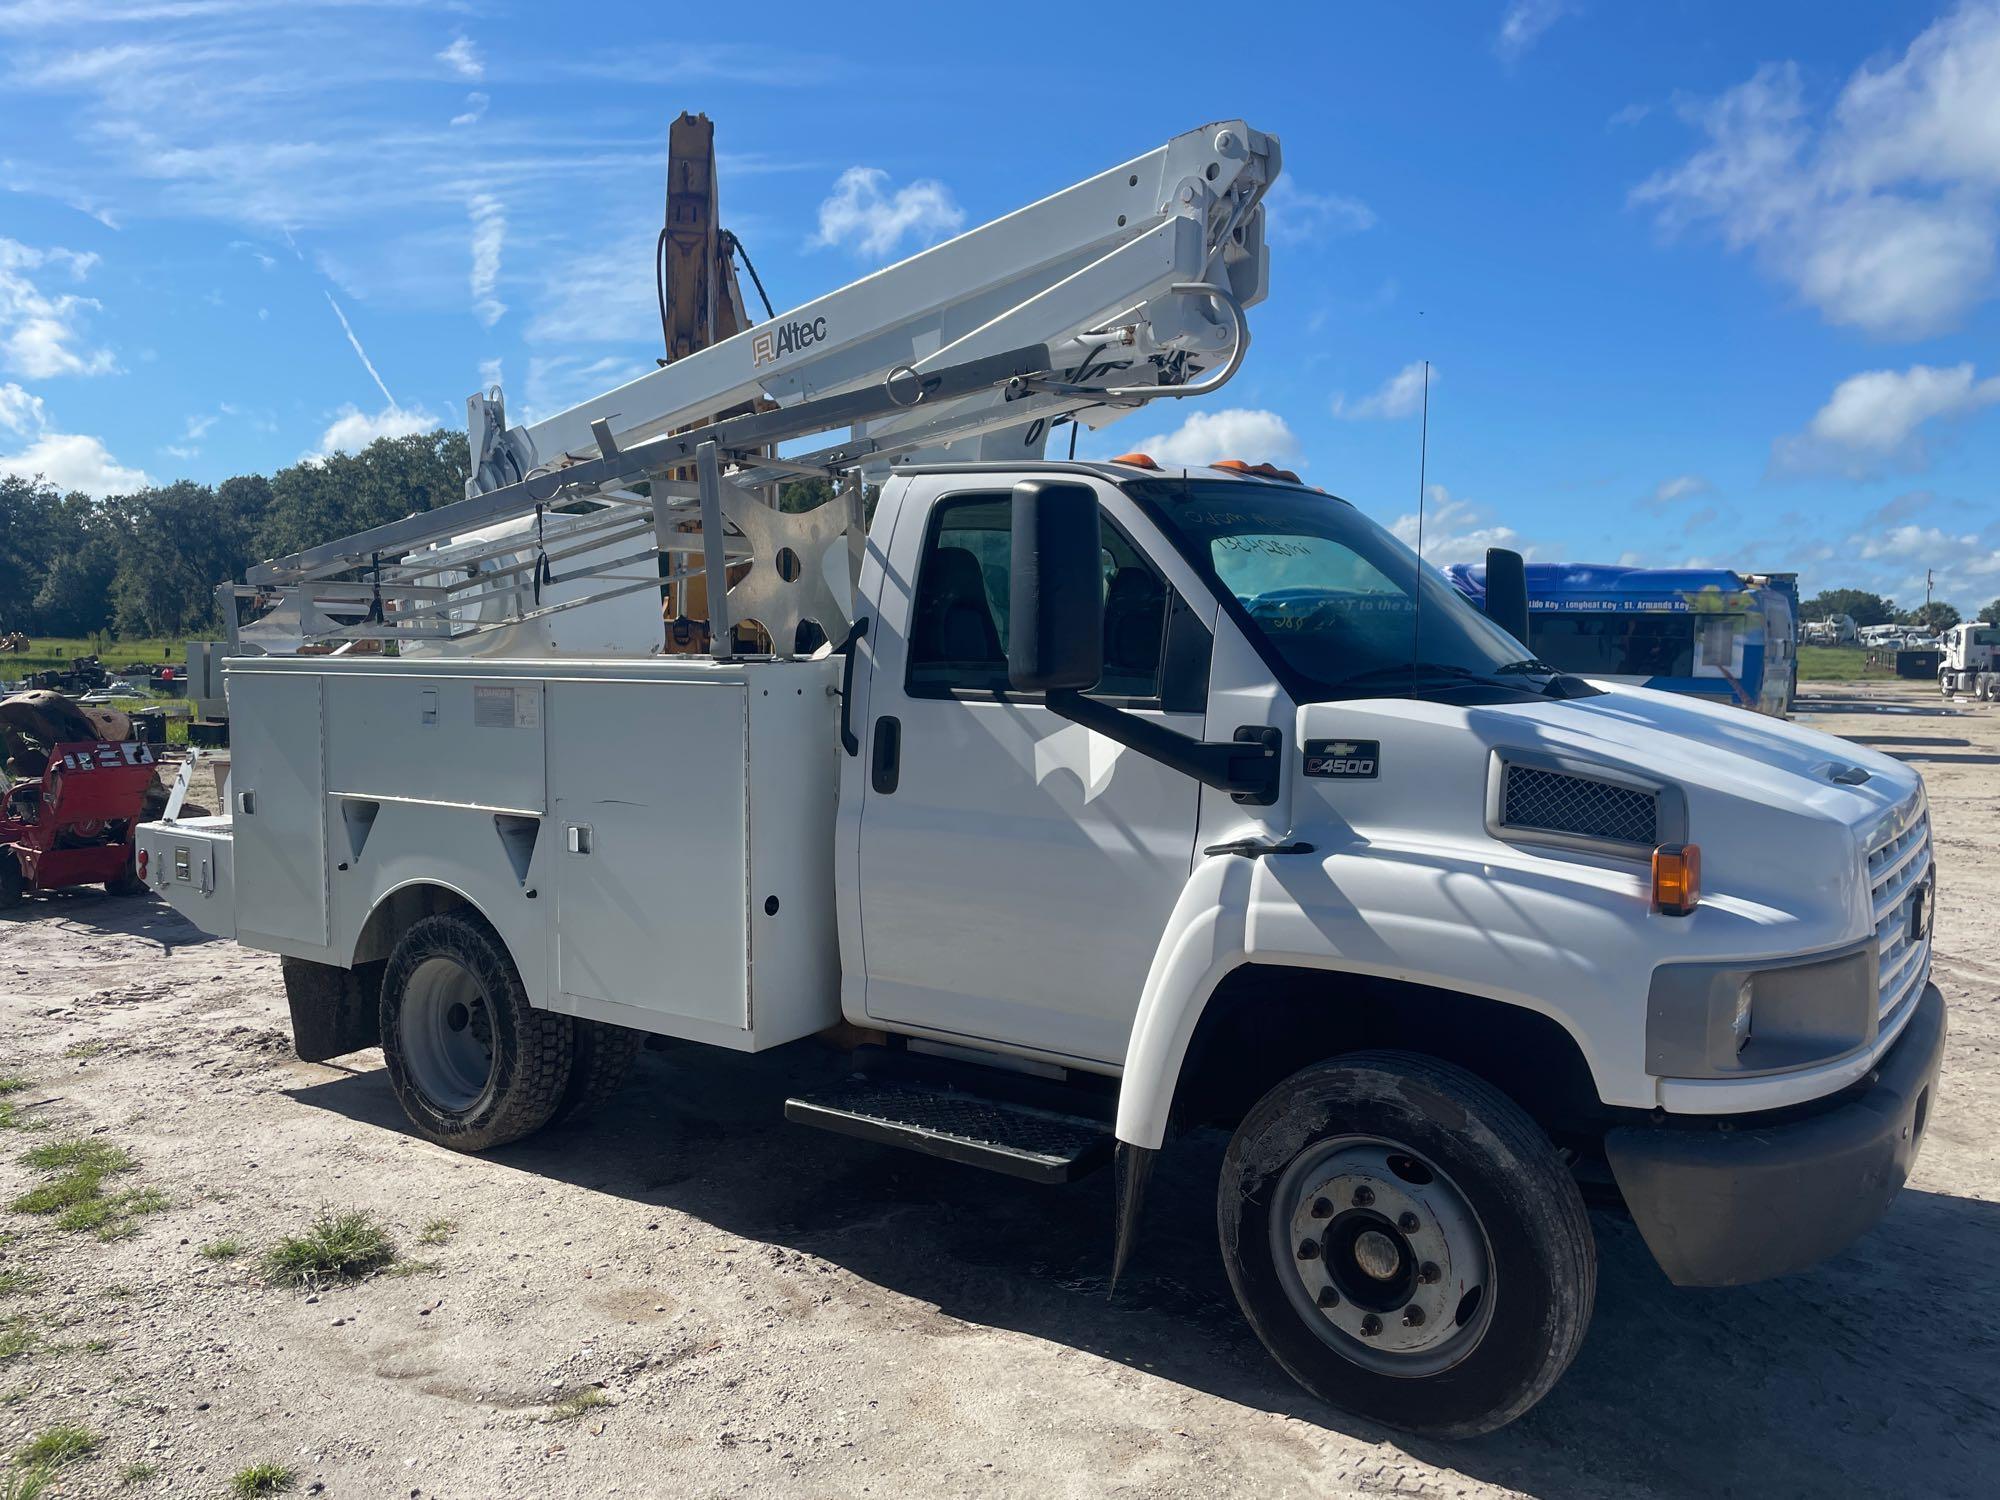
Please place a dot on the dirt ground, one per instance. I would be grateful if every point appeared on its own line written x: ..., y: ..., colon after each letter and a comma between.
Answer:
x: 770, y: 1310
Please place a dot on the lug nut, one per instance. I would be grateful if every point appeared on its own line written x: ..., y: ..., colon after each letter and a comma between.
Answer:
x: 1363, y: 1196
x: 1328, y: 1297
x: 1413, y: 1316
x: 1322, y: 1209
x: 1407, y: 1222
x: 1309, y: 1250
x: 1370, y: 1326
x: 1428, y: 1273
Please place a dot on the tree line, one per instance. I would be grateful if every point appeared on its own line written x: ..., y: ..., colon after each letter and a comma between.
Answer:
x: 146, y: 564
x: 1864, y: 608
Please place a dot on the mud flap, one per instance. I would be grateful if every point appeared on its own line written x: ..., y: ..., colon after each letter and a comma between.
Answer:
x: 334, y: 1010
x: 1133, y: 1167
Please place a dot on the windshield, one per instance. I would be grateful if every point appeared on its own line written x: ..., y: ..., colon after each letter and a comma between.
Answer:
x: 1331, y: 593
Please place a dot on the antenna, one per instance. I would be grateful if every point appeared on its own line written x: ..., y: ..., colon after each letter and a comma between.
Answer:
x: 1417, y: 579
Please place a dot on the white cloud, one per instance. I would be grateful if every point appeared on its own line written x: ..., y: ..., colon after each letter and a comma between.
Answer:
x: 1401, y: 395
x: 1296, y: 217
x: 1524, y: 22
x: 1631, y: 114
x: 863, y: 215
x: 475, y: 109
x: 40, y: 333
x: 1670, y: 492
x: 361, y: 353
x: 353, y: 429
x: 1234, y: 432
x: 557, y: 382
x: 1878, y: 415
x: 1455, y: 530
x: 489, y: 374
x: 1915, y: 543
x: 67, y: 460
x: 1884, y: 211
x: 489, y: 233
x: 463, y: 58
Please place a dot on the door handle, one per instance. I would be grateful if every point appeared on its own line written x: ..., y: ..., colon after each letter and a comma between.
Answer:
x: 579, y: 837
x: 246, y: 803
x: 886, y: 766
x: 854, y: 634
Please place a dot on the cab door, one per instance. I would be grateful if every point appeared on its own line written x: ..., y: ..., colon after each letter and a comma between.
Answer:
x: 1015, y: 870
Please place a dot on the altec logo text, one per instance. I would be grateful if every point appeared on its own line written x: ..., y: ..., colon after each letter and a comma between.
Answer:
x: 787, y: 338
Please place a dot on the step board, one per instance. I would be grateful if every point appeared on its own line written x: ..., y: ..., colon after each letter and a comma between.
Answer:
x: 1019, y: 1140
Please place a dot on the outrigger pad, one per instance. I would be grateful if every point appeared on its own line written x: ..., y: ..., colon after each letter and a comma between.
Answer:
x: 334, y: 1011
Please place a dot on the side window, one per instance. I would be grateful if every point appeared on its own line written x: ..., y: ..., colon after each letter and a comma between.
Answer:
x: 958, y: 627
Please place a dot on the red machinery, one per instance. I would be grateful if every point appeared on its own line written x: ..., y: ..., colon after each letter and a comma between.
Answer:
x: 73, y: 825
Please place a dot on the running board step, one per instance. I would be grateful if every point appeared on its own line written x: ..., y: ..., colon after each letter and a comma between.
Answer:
x: 1017, y: 1139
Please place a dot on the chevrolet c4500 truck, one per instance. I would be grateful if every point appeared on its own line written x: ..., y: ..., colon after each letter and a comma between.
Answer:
x: 1107, y: 800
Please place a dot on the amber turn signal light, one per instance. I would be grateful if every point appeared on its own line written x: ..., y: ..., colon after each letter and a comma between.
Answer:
x: 1676, y: 878
x: 1136, y: 460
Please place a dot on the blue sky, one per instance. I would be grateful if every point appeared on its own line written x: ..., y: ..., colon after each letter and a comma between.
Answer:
x: 1697, y: 281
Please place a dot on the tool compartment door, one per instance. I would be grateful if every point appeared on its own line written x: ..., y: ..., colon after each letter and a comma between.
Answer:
x: 277, y: 787
x: 647, y: 784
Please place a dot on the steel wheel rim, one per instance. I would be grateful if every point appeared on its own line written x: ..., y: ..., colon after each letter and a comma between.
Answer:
x: 1381, y: 1256
x: 445, y: 1025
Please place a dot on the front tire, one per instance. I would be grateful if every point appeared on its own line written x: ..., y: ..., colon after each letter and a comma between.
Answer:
x: 472, y: 1063
x: 1406, y: 1243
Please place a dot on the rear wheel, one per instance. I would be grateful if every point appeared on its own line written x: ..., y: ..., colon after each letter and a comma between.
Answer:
x: 601, y: 1061
x: 1406, y: 1243
x: 472, y: 1063
x: 10, y: 880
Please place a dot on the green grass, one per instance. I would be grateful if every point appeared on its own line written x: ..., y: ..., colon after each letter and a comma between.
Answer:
x: 17, y: 1337
x: 75, y: 1193
x: 137, y: 1473
x: 261, y: 1479
x: 1843, y: 664
x: 77, y: 1051
x: 53, y: 1447
x: 14, y: 1282
x: 337, y: 1247
x: 27, y: 1484
x: 577, y: 1402
x: 60, y: 651
x: 222, y: 1250
x: 438, y: 1231
x: 12, y: 1083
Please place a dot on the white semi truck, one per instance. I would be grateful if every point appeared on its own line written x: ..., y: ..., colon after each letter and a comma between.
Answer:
x: 1970, y: 661
x: 1120, y: 801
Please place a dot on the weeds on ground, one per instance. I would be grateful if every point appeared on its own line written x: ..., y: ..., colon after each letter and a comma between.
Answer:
x: 438, y: 1231
x: 76, y: 1167
x: 577, y: 1402
x: 17, y: 1337
x: 15, y: 1282
x: 261, y: 1479
x: 77, y: 1051
x: 53, y: 1447
x: 337, y: 1247
x: 11, y: 1117
x: 137, y: 1473
x: 27, y: 1484
x: 11, y: 1083
x: 227, y: 1249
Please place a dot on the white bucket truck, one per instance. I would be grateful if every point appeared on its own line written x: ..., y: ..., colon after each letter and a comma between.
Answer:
x: 1121, y: 801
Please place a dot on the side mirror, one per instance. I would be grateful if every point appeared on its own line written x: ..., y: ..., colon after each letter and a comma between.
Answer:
x: 1507, y: 592
x: 1055, y: 624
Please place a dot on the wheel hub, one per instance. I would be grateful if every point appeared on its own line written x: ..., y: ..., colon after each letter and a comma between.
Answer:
x: 445, y: 1025
x: 1381, y: 1256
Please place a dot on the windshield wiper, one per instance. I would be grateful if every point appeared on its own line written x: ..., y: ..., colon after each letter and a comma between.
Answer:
x: 1528, y: 665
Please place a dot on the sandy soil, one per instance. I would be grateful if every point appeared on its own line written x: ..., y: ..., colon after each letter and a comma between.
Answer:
x: 771, y: 1310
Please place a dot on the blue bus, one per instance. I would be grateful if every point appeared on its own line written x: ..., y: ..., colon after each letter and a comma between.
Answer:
x: 1706, y: 631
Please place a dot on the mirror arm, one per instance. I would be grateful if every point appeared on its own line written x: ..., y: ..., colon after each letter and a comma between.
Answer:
x: 1246, y: 766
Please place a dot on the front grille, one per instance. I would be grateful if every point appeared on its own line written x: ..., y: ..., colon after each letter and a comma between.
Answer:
x: 1899, y: 876
x: 1558, y: 802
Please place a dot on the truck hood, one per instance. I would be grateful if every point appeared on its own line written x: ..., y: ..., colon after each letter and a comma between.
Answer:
x: 1775, y: 828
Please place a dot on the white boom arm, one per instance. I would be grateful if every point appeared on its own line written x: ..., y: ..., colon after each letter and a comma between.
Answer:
x: 1123, y: 289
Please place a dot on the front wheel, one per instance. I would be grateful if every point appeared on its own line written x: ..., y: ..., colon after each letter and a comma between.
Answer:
x: 1406, y: 1243
x: 472, y: 1063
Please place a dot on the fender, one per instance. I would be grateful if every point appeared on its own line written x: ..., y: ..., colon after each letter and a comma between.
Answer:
x: 1431, y: 917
